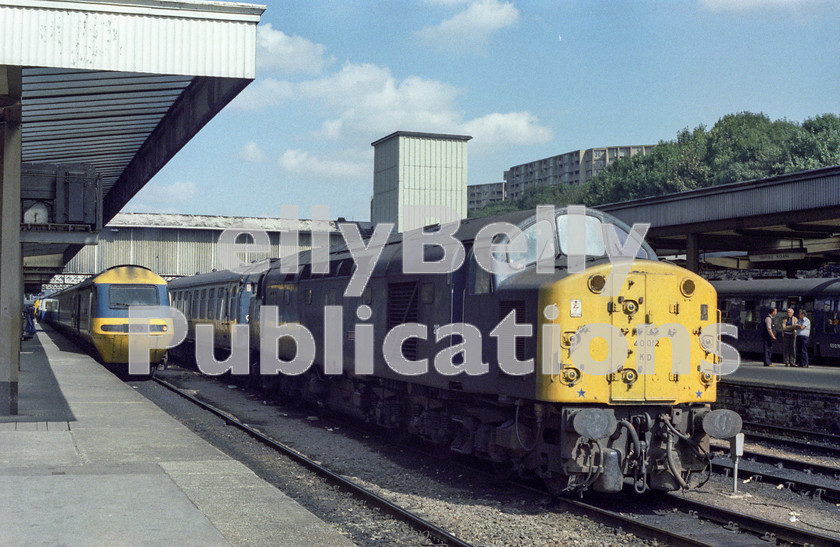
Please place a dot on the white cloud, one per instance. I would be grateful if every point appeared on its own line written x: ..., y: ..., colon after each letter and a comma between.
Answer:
x: 512, y: 128
x: 251, y: 153
x: 300, y: 162
x: 446, y: 2
x: 368, y: 100
x: 749, y: 5
x: 291, y: 54
x: 363, y: 102
x: 162, y: 198
x: 369, y: 103
x: 263, y: 93
x: 177, y: 192
x: 470, y: 30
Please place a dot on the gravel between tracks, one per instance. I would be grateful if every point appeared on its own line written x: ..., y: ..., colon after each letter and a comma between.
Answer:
x: 465, y: 503
x: 459, y: 501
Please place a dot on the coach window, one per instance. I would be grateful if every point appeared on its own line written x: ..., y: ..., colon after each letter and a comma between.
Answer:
x: 202, y: 306
x: 832, y: 315
x: 232, y: 304
x: 748, y: 311
x: 307, y: 296
x: 287, y: 297
x: 221, y: 299
x: 211, y: 304
x: 779, y: 318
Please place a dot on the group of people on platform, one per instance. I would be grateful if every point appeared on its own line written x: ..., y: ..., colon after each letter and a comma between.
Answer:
x: 795, y: 333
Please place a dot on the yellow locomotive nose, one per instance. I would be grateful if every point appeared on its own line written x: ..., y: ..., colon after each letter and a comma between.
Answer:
x: 624, y: 341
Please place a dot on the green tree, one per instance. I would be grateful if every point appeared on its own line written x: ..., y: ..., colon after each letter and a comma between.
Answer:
x: 738, y: 147
x: 497, y: 208
x: 747, y: 146
x: 817, y: 145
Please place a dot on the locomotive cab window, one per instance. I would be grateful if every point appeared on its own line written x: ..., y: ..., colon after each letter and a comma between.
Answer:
x: 594, y: 238
x: 479, y: 278
x: 123, y: 296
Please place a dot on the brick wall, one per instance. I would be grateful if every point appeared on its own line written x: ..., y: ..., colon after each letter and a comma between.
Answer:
x: 785, y: 408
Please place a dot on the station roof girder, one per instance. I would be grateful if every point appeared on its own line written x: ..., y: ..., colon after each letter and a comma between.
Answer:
x: 121, y: 85
x: 783, y: 216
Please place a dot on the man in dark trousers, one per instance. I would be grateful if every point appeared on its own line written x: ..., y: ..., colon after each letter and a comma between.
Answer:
x: 803, y: 331
x: 769, y: 337
x: 789, y: 339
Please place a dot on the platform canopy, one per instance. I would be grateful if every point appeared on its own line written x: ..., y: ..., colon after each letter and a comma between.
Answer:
x: 120, y: 85
x: 786, y: 222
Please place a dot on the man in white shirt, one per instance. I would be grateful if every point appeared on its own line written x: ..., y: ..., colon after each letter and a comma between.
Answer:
x: 789, y: 338
x: 803, y: 331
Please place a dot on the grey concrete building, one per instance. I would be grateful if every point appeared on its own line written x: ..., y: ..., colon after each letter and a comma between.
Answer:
x: 574, y: 167
x: 481, y: 195
x: 421, y: 169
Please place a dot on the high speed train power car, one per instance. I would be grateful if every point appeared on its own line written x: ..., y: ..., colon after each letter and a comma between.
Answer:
x: 506, y: 364
x: 97, y: 309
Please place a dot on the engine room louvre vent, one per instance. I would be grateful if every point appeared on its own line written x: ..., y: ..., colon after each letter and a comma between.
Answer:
x: 505, y: 307
x: 403, y: 299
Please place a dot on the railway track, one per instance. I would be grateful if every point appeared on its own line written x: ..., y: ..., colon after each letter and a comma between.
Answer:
x: 817, y: 480
x: 677, y: 521
x: 826, y: 444
x: 434, y: 533
x: 680, y: 521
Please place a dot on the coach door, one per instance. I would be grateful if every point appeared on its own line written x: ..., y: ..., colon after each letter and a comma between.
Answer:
x: 77, y: 308
x: 628, y: 310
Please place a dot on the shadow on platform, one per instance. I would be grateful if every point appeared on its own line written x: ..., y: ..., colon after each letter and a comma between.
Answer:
x: 39, y: 396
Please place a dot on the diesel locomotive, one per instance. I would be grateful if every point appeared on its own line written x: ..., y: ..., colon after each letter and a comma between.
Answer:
x: 97, y: 310
x: 545, y: 366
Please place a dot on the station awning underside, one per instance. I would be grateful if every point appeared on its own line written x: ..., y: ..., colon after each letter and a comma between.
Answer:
x: 121, y: 86
x: 788, y: 222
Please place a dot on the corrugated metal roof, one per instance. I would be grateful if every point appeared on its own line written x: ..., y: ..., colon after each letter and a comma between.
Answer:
x: 100, y: 118
x: 782, y: 195
x: 160, y: 37
x: 797, y: 210
x: 162, y: 220
x: 122, y: 85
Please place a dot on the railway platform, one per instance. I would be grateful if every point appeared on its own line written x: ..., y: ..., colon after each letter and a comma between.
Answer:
x: 817, y: 378
x: 88, y: 461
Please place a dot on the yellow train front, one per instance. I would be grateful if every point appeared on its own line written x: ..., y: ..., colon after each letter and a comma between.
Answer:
x: 626, y: 365
x: 96, y: 310
x: 622, y: 371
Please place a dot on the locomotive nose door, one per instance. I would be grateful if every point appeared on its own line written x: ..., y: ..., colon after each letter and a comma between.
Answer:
x: 628, y: 310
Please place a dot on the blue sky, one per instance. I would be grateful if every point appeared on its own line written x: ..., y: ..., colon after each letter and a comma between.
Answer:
x: 526, y: 80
